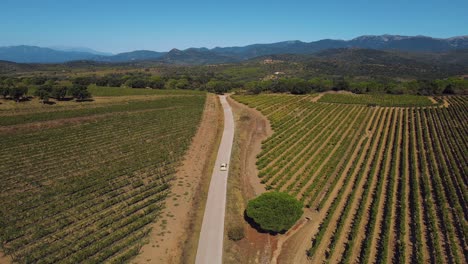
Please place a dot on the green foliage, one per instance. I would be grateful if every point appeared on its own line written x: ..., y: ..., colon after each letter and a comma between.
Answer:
x: 59, y: 93
x: 218, y: 87
x: 136, y: 83
x: 122, y: 91
x: 182, y: 84
x: 43, y: 95
x: 79, y: 92
x: 377, y: 99
x: 4, y: 91
x: 84, y: 80
x: 274, y: 211
x: 18, y: 93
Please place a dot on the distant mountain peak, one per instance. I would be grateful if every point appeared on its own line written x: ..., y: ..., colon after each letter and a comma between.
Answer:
x: 385, y: 38
x: 33, y: 54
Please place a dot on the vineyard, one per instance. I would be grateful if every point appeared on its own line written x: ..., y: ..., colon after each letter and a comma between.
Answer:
x: 389, y: 183
x: 86, y: 192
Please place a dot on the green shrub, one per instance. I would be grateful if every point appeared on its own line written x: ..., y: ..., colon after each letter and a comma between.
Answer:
x: 236, y: 233
x: 274, y: 211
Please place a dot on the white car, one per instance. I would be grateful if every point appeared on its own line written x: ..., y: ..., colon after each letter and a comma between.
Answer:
x: 223, y: 167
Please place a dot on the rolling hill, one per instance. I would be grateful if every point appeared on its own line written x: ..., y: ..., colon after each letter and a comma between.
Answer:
x: 32, y: 54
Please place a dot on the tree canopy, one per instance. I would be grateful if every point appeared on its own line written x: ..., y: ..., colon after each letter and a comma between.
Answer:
x: 274, y: 211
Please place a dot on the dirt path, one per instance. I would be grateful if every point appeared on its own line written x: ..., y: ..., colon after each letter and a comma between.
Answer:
x: 4, y: 259
x: 259, y: 129
x: 166, y: 242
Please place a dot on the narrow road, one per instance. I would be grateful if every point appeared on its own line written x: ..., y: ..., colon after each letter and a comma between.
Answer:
x: 210, y: 244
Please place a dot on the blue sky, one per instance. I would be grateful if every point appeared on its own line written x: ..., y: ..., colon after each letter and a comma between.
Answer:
x: 118, y: 26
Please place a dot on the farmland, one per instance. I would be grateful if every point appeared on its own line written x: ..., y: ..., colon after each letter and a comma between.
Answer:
x: 82, y: 182
x: 385, y: 175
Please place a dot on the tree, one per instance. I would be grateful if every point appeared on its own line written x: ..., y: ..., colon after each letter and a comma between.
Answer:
x: 274, y: 211
x: 170, y: 84
x: 43, y: 95
x: 136, y: 82
x: 4, y: 91
x: 182, y: 84
x: 156, y: 82
x: 79, y: 92
x: 43, y: 92
x: 18, y: 93
x: 449, y: 89
x: 253, y: 87
x: 59, y: 93
x: 84, y: 80
x: 218, y: 87
x: 298, y: 86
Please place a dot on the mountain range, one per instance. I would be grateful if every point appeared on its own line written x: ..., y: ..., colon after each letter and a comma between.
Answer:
x: 420, y: 44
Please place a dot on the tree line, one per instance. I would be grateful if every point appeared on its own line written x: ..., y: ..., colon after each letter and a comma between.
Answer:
x: 304, y: 86
x: 17, y: 89
x: 52, y: 87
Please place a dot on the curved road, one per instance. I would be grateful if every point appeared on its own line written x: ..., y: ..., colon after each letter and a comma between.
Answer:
x: 210, y: 244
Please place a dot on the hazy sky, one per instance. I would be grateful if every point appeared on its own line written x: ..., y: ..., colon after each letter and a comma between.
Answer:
x: 117, y: 26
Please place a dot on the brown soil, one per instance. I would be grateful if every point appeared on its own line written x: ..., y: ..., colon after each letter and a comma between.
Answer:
x: 257, y: 129
x: 4, y: 259
x: 167, y: 241
x: 251, y: 129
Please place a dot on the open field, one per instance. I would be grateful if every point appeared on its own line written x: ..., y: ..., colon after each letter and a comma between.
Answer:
x: 89, y: 190
x: 384, y: 184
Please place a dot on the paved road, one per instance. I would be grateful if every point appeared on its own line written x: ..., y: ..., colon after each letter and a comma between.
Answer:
x: 210, y: 244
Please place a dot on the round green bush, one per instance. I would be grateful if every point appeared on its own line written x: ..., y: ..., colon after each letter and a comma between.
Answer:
x: 274, y: 211
x: 236, y: 233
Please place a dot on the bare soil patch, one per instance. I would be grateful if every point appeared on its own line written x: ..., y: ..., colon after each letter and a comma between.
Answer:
x: 168, y: 239
x: 256, y: 128
x: 4, y: 259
